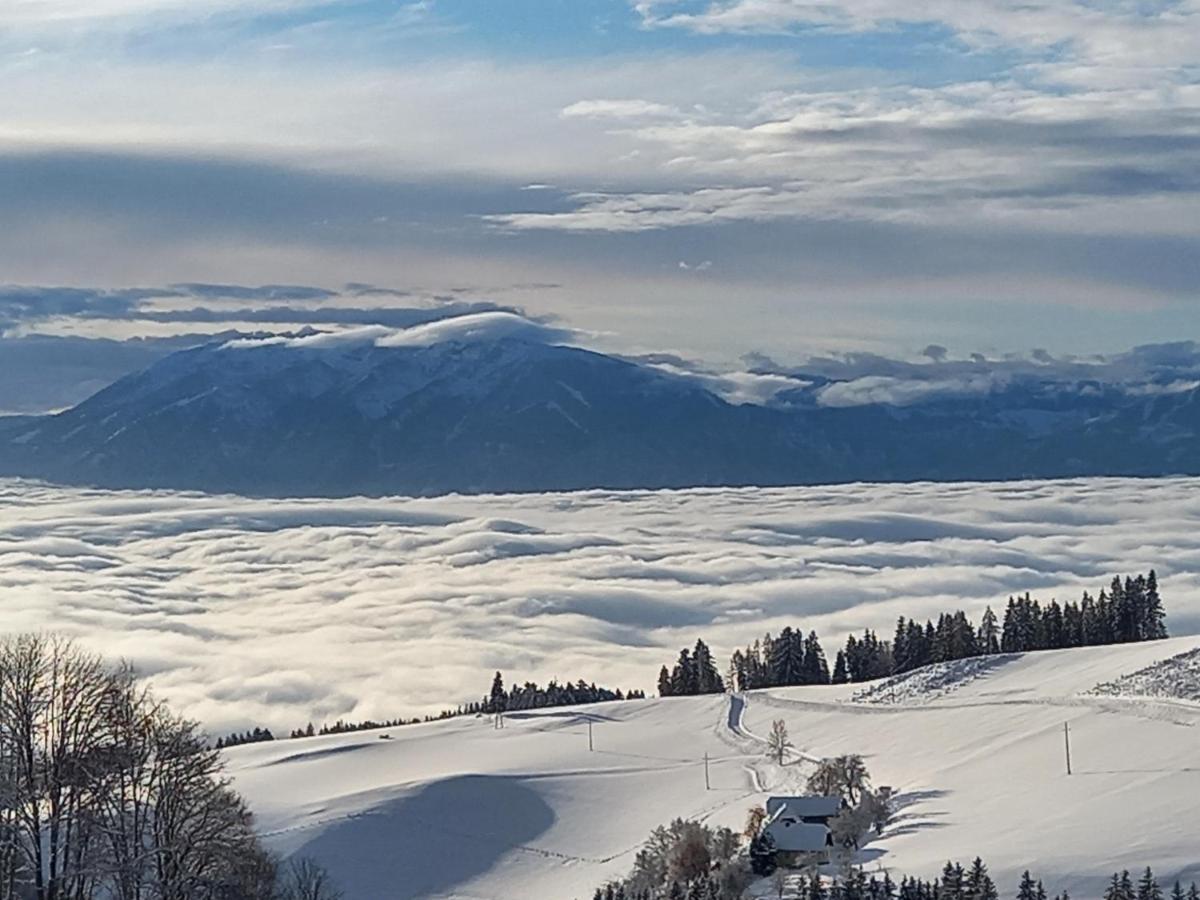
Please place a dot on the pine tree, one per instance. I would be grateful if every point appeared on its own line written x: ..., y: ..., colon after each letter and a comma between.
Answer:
x: 1177, y: 892
x: 1154, y: 614
x: 787, y: 658
x: 979, y: 884
x: 839, y: 669
x: 953, y: 882
x: 683, y: 678
x: 708, y: 680
x: 989, y: 633
x: 666, y: 688
x: 816, y: 669
x: 1148, y: 888
x: 1028, y: 887
x: 497, y: 699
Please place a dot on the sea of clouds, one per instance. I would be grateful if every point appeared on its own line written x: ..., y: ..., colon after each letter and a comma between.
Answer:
x: 277, y: 612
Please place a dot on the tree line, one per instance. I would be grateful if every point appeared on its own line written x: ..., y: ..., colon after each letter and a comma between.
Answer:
x: 108, y: 794
x: 531, y: 696
x: 520, y: 697
x: 1129, y: 610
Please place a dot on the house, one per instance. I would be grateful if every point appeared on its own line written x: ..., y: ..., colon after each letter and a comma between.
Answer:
x: 799, y: 829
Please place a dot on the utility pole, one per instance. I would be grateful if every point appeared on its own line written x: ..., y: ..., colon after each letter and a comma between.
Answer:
x: 591, y: 746
x: 707, y: 783
x: 1067, y: 740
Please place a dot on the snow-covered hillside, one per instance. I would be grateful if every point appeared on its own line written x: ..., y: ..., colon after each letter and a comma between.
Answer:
x: 463, y: 809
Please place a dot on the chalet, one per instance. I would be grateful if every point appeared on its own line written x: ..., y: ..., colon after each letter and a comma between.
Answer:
x: 799, y: 829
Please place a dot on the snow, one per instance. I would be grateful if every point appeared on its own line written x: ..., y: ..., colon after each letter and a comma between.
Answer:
x: 1174, y: 678
x: 460, y: 809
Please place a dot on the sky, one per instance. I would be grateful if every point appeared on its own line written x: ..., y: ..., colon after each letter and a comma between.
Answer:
x: 706, y: 177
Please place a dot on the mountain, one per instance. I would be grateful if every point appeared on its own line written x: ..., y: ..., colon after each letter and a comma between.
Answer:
x: 316, y: 418
x: 499, y: 406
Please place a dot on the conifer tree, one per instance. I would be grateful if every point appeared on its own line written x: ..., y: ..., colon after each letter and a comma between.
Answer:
x: 839, y: 669
x: 497, y: 699
x: 979, y: 884
x: 816, y: 669
x: 989, y: 633
x: 1154, y: 615
x: 1027, y: 890
x: 1148, y: 888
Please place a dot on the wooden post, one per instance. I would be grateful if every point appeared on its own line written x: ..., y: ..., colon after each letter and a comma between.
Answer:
x: 707, y: 783
x: 1067, y: 740
x: 591, y: 746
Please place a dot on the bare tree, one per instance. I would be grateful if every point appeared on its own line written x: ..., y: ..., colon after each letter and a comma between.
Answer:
x: 308, y: 881
x: 755, y: 816
x: 841, y: 776
x: 778, y: 743
x: 105, y: 793
x: 51, y: 699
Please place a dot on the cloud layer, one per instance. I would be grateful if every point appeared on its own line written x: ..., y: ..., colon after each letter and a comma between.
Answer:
x: 277, y: 612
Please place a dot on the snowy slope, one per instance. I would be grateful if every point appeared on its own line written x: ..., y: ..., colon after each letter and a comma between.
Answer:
x: 461, y: 809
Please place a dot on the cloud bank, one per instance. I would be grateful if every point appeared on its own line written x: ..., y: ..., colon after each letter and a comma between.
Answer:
x: 277, y: 612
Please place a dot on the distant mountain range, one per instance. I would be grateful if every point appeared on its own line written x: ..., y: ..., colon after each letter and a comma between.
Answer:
x: 331, y: 415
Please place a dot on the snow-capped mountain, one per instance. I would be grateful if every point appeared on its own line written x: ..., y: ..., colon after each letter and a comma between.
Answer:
x: 356, y: 414
x: 495, y: 402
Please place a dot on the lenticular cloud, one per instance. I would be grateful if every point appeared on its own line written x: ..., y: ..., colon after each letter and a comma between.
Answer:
x: 276, y: 612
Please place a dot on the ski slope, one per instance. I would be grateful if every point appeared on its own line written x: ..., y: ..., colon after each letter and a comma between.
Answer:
x: 462, y: 809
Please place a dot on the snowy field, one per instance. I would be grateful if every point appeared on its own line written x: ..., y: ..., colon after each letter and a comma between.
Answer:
x: 459, y: 809
x: 265, y: 612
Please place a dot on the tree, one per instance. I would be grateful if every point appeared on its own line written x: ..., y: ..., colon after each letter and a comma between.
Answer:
x: 1148, y: 888
x: 815, y: 668
x: 708, y: 680
x: 979, y: 884
x: 989, y: 633
x: 688, y: 858
x: 840, y: 675
x: 497, y: 699
x: 1120, y: 887
x: 787, y: 658
x: 1155, y: 629
x: 308, y: 881
x: 1028, y: 889
x: 841, y: 776
x: 110, y: 795
x: 665, y: 687
x: 755, y: 817
x: 778, y: 743
x: 762, y: 854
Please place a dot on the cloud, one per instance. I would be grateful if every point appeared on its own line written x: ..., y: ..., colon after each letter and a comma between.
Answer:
x: 1120, y: 36
x: 28, y: 306
x: 898, y: 392
x: 617, y: 109
x: 471, y: 328
x: 25, y: 13
x: 859, y: 379
x: 277, y: 612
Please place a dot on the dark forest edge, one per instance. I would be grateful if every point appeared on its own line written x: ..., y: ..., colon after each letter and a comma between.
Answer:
x: 498, y: 700
x: 1130, y: 610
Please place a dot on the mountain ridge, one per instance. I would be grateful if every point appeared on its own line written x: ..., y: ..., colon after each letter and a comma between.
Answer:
x: 501, y: 404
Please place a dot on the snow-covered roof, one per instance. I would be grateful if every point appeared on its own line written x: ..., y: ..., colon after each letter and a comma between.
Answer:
x: 793, y: 836
x: 805, y: 807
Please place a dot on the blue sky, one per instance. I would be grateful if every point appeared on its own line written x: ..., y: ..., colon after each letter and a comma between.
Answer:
x: 712, y: 177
